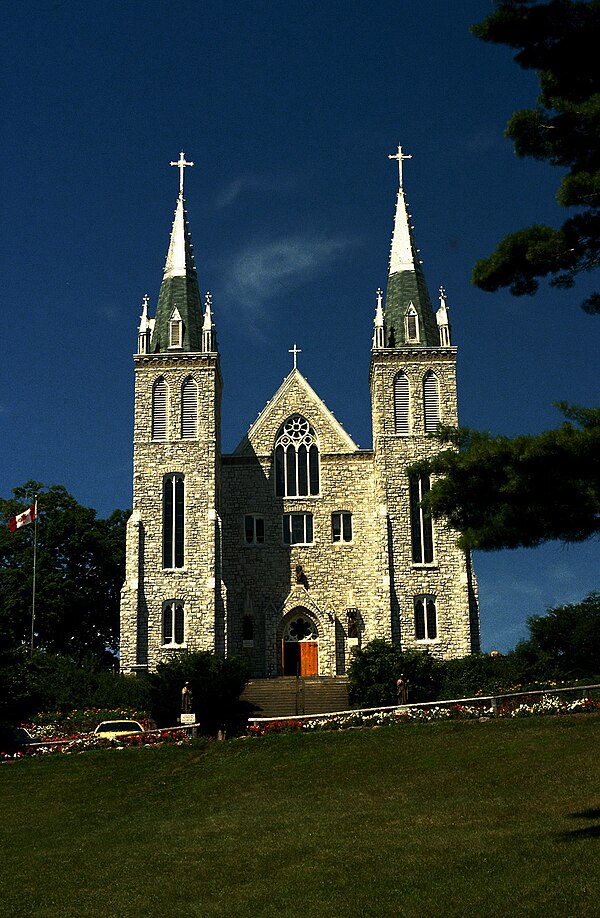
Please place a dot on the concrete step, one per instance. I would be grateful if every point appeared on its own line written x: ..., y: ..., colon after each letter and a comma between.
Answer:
x: 288, y: 697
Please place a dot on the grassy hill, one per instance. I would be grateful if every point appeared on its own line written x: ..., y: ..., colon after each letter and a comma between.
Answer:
x: 459, y: 818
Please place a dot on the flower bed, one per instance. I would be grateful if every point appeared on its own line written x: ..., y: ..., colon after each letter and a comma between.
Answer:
x: 540, y: 706
x: 77, y: 743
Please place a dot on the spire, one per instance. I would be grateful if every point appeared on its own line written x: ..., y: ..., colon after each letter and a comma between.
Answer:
x: 178, y: 323
x: 409, y: 317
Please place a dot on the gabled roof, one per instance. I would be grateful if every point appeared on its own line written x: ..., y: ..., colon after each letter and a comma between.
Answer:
x: 179, y: 289
x: 295, y: 396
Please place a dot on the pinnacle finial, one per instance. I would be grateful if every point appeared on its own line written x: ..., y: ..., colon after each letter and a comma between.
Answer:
x: 400, y: 156
x: 181, y: 165
x: 442, y: 295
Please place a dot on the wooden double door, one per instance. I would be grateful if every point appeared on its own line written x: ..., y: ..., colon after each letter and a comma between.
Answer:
x: 300, y: 658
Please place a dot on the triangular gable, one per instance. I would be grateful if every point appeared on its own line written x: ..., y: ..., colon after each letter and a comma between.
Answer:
x: 296, y: 396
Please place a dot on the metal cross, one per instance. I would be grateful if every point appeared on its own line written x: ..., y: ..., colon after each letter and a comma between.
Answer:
x: 181, y: 164
x: 295, y: 351
x: 399, y: 156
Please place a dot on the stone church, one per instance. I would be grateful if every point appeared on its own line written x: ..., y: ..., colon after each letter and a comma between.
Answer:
x: 298, y: 547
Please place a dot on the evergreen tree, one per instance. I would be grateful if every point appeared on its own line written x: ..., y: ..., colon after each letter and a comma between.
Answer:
x: 559, y: 40
x: 502, y: 492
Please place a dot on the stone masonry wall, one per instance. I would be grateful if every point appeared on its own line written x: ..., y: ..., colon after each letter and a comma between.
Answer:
x: 198, y: 584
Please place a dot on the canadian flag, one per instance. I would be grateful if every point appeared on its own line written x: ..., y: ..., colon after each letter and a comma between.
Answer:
x: 22, y: 519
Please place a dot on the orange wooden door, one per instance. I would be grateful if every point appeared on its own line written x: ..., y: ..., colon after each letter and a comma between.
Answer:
x: 309, y: 658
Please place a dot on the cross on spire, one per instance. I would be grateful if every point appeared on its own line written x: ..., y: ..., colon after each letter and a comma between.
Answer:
x: 181, y: 164
x: 295, y: 351
x: 399, y: 156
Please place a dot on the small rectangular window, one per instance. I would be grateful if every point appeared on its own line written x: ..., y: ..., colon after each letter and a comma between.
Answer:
x: 341, y: 527
x: 254, y: 529
x: 425, y: 618
x: 298, y: 528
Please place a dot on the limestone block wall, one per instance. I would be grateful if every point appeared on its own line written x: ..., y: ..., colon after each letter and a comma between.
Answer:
x: 198, y: 583
x: 449, y: 578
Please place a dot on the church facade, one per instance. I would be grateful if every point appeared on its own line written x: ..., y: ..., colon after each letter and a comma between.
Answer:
x: 298, y: 547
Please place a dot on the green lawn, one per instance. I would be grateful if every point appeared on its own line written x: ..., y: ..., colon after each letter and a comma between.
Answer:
x: 444, y: 819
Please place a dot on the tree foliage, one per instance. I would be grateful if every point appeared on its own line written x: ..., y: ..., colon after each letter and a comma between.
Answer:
x: 376, y: 667
x: 502, y: 492
x: 568, y: 638
x: 559, y: 40
x: 216, y: 683
x: 80, y: 571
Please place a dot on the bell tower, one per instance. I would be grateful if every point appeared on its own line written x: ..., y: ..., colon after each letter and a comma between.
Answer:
x: 172, y: 598
x: 432, y: 590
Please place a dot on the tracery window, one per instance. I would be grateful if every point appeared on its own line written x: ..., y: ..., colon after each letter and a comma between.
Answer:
x: 296, y: 459
x: 160, y: 401
x: 300, y: 629
x: 431, y: 402
x: 173, y: 521
x: 401, y: 404
x: 173, y: 623
x: 420, y: 521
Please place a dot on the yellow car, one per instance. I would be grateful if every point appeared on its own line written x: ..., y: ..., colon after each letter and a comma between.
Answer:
x: 109, y: 729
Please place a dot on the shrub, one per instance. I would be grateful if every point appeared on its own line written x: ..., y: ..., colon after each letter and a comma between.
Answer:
x: 216, y: 683
x: 375, y: 669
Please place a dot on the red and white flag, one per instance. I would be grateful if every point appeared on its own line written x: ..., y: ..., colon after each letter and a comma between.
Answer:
x: 22, y: 519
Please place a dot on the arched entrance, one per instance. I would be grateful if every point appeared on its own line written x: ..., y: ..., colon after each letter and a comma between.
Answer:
x: 300, y: 645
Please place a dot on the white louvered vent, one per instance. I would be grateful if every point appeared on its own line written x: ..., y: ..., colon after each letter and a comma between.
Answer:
x: 159, y: 410
x: 189, y: 410
x: 431, y: 401
x: 401, y: 404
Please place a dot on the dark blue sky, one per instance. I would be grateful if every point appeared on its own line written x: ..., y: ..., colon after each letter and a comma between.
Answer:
x: 289, y: 111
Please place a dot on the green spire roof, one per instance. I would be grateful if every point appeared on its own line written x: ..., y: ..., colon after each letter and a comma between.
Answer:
x: 179, y: 290
x: 406, y: 284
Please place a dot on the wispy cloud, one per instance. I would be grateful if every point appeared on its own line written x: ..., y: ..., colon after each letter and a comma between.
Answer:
x: 266, y: 183
x: 265, y: 270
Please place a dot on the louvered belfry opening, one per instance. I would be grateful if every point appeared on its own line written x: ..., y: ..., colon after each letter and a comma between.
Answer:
x: 431, y: 402
x: 189, y: 409
x: 401, y: 404
x: 159, y: 410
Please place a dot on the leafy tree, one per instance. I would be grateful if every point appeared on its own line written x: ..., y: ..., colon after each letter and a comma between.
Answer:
x: 559, y: 40
x: 80, y: 571
x: 502, y: 492
x: 374, y: 670
x: 568, y: 637
x: 216, y: 683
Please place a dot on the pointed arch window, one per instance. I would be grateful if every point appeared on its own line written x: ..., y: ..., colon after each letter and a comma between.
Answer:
x: 425, y: 618
x: 173, y: 521
x: 189, y: 409
x: 421, y: 525
x: 431, y: 401
x: 411, y: 324
x: 296, y: 459
x: 160, y: 401
x: 401, y: 404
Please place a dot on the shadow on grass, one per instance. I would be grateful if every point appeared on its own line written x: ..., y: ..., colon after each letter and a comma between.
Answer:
x: 586, y: 831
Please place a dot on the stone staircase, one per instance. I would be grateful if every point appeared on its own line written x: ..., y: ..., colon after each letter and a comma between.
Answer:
x: 288, y: 696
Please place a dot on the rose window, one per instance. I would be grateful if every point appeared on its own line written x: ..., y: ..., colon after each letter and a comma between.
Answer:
x: 301, y: 629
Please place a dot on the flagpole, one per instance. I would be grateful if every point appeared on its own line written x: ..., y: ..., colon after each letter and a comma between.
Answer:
x: 35, y: 499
